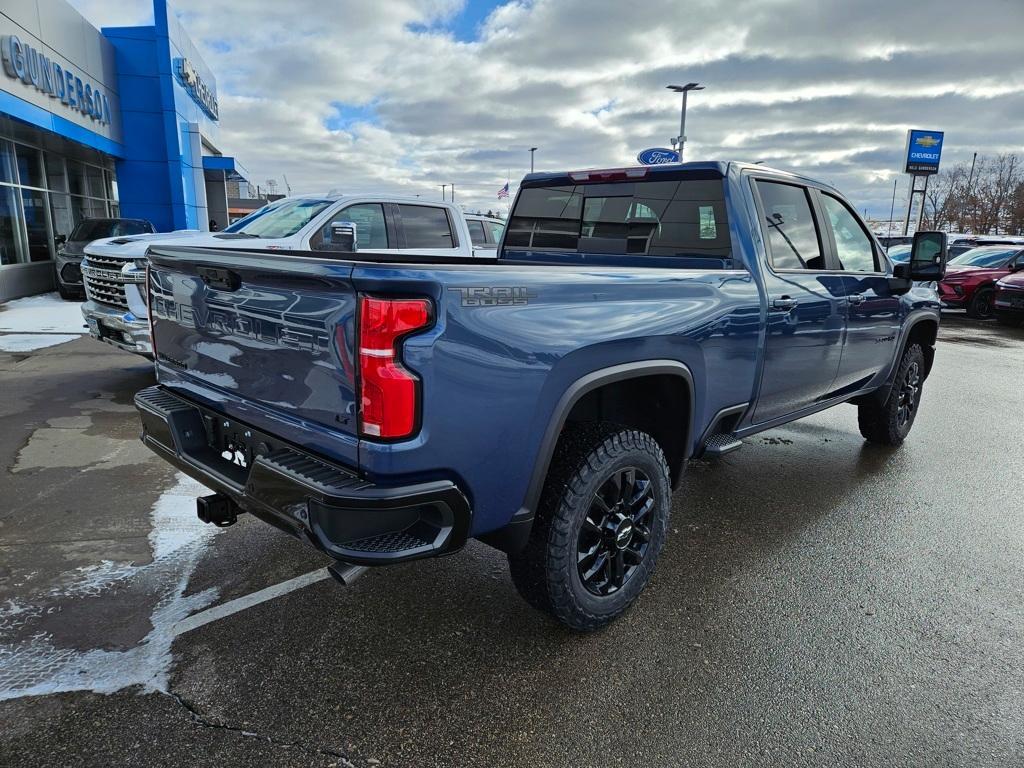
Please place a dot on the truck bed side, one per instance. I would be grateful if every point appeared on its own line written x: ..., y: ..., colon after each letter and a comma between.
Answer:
x: 509, y: 340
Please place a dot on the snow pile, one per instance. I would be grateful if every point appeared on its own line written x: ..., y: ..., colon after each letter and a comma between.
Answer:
x: 47, y: 313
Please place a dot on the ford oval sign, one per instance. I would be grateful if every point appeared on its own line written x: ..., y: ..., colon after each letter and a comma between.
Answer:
x: 658, y: 156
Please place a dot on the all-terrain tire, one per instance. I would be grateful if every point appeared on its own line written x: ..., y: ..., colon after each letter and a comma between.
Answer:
x: 592, y: 458
x: 889, y: 422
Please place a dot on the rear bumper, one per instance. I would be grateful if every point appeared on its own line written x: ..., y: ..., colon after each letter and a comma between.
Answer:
x: 118, y: 327
x: 328, y: 506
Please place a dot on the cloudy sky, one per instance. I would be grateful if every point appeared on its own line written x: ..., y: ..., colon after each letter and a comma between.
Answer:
x: 403, y: 95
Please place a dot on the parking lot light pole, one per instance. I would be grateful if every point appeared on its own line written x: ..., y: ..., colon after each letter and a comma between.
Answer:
x: 532, y: 150
x: 683, y: 89
x: 443, y: 188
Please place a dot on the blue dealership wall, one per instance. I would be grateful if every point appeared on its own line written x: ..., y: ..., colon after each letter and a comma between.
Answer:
x: 160, y: 175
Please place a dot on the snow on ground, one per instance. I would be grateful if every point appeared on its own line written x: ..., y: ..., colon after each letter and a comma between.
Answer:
x: 37, y: 667
x: 29, y: 342
x: 47, y: 313
x: 38, y: 322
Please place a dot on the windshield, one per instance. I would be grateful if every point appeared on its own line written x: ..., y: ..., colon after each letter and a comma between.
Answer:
x: 94, y: 229
x: 281, y: 219
x: 984, y: 257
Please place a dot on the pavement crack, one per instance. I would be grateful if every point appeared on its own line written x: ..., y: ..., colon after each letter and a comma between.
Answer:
x: 202, y: 720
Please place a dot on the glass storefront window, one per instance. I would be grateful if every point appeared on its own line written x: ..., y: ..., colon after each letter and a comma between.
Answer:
x: 30, y: 166
x: 60, y: 214
x: 76, y: 178
x: 77, y: 210
x: 95, y: 209
x: 55, y: 178
x: 45, y: 194
x: 11, y: 248
x: 111, y: 185
x: 7, y: 162
x: 95, y: 179
x: 34, y: 204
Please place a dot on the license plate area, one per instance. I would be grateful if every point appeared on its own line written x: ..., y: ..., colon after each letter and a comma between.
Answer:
x: 237, y: 445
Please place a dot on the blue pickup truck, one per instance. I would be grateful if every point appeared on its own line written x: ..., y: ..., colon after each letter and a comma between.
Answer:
x: 386, y: 407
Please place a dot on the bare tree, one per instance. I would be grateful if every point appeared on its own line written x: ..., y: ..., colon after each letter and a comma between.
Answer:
x: 985, y: 202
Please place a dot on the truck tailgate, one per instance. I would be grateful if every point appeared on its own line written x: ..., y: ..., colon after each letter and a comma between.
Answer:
x: 268, y: 338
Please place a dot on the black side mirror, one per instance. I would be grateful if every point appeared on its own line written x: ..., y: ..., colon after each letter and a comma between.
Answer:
x: 343, y: 236
x: 60, y: 239
x: 928, y: 256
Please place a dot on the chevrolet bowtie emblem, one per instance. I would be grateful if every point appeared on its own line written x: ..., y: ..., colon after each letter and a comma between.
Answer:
x: 926, y: 141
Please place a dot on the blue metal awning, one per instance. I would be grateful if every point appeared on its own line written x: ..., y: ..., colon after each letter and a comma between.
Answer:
x: 232, y: 169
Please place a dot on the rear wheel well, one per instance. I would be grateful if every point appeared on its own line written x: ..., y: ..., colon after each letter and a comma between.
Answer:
x: 658, y: 404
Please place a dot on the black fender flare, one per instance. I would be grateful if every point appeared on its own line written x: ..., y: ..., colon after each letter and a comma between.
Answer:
x: 914, y: 319
x: 513, y: 536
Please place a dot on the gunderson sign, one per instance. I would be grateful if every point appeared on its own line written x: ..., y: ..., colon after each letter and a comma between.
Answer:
x: 33, y: 68
x: 201, y: 92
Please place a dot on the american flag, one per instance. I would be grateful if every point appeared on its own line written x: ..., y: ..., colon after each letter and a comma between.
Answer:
x: 503, y: 192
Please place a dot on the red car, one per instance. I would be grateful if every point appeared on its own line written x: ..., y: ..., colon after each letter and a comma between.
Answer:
x: 1009, y: 299
x: 970, y: 281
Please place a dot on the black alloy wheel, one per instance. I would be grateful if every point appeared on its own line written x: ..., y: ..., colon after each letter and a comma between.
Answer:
x: 615, y: 535
x: 910, y: 390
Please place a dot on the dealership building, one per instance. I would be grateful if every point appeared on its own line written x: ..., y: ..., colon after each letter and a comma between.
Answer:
x: 101, y: 123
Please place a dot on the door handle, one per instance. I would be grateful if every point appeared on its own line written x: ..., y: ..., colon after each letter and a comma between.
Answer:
x: 784, y: 303
x: 855, y: 298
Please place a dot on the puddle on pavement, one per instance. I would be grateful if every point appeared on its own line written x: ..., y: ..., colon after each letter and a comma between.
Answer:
x: 67, y: 442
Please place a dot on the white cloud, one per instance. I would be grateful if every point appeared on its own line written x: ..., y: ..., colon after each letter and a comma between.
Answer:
x: 827, y: 87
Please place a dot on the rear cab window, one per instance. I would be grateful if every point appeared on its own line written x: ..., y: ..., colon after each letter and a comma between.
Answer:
x: 678, y: 219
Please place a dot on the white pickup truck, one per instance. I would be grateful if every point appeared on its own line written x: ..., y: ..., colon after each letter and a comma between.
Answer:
x: 114, y: 269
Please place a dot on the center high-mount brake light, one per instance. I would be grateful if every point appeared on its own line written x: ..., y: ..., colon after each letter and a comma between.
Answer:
x: 609, y: 174
x: 388, y: 393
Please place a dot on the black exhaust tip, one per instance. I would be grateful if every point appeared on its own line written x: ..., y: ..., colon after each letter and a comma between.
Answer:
x: 346, y: 573
x: 217, y: 509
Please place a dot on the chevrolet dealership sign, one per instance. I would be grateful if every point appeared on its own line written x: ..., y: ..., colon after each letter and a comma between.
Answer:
x: 924, y: 150
x: 35, y: 69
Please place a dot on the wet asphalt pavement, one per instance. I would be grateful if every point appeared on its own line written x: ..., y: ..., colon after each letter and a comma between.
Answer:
x: 819, y: 602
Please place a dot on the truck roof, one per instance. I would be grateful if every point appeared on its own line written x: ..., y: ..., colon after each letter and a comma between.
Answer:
x: 336, y: 195
x: 715, y: 166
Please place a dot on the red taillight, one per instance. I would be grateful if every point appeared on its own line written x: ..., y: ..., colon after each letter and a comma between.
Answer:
x: 389, y: 394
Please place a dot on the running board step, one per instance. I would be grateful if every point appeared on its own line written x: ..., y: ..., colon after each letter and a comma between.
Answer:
x: 721, y: 444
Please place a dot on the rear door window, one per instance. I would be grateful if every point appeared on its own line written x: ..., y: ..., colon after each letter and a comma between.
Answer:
x: 678, y: 218
x: 426, y: 227
x: 476, y: 232
x: 789, y: 227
